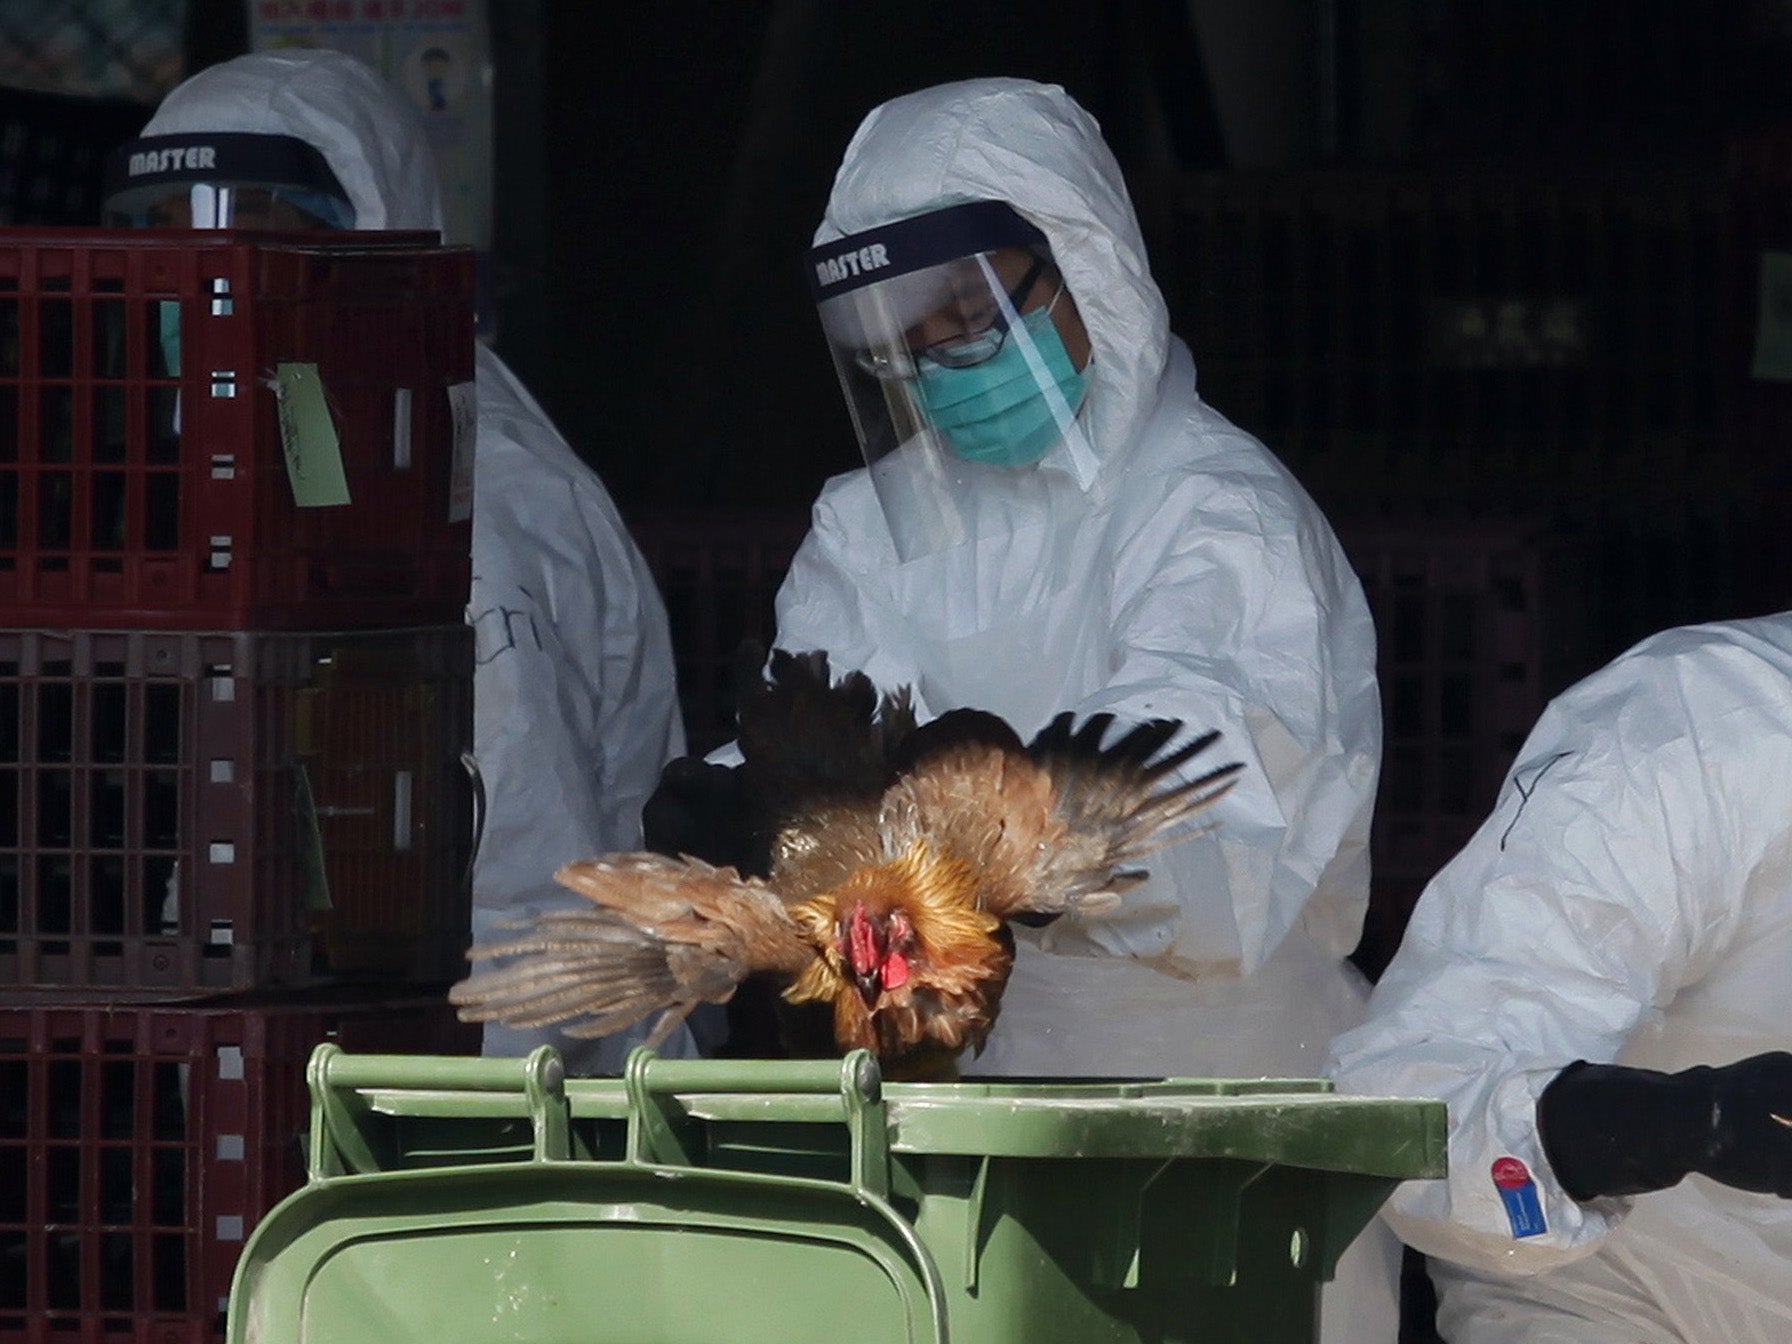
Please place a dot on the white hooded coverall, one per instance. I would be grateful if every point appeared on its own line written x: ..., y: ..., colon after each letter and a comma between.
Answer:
x: 1193, y: 579
x: 575, y: 701
x: 1629, y: 900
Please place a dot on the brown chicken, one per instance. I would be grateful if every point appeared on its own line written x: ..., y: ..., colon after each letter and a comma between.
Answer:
x: 893, y: 873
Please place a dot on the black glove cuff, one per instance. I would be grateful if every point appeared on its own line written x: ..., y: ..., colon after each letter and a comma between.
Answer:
x: 1612, y: 1130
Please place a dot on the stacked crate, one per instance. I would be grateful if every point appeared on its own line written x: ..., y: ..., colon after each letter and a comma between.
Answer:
x: 718, y: 573
x: 1473, y: 623
x: 234, y: 815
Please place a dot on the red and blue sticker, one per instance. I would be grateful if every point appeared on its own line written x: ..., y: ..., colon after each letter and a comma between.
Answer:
x: 1518, y: 1192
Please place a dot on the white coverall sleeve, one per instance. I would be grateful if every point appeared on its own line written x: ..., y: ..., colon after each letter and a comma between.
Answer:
x: 1235, y: 610
x: 1605, y: 880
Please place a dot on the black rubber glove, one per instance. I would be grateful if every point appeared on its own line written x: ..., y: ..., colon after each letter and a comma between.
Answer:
x: 1612, y: 1130
x: 701, y: 810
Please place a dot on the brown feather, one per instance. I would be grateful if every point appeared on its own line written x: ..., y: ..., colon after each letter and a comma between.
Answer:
x: 666, y: 934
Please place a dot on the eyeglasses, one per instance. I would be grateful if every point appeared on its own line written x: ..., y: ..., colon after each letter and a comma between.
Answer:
x: 977, y: 341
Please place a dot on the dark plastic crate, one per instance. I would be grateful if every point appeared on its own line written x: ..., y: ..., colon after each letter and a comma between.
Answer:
x: 139, y: 495
x: 165, y: 798
x: 1472, y: 628
x: 718, y: 573
x: 139, y: 1146
x: 53, y: 149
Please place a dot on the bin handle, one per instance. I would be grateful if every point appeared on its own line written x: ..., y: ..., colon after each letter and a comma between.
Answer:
x: 339, y: 1143
x: 477, y: 781
x: 654, y: 1140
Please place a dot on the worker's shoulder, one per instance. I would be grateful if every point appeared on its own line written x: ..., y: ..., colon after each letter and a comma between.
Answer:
x: 516, y: 435
x: 1761, y: 645
x: 1216, y: 472
x: 519, y: 455
x: 1697, y: 675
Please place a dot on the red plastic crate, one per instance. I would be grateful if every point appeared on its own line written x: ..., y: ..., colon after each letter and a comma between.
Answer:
x: 139, y: 1146
x: 164, y: 800
x: 141, y: 495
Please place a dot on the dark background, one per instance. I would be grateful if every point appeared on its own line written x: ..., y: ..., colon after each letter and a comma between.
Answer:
x: 1486, y: 276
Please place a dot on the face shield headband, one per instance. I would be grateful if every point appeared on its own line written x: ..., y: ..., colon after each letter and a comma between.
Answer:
x: 207, y: 173
x: 962, y: 390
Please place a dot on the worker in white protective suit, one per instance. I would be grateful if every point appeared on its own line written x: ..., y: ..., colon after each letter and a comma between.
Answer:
x: 1597, y: 985
x: 575, y: 703
x: 1051, y: 519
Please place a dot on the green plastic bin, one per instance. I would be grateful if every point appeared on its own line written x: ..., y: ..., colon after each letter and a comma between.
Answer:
x: 459, y: 1200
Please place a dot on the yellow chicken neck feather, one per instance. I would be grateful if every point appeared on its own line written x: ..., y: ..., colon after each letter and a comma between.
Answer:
x: 937, y: 892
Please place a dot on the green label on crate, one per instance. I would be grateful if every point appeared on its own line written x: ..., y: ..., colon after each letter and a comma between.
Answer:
x: 311, y: 845
x: 313, y: 454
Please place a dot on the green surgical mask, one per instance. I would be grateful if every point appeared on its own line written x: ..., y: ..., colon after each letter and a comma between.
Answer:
x: 996, y: 412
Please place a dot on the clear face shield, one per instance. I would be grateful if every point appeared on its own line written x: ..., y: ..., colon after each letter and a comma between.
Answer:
x: 223, y: 181
x: 964, y: 367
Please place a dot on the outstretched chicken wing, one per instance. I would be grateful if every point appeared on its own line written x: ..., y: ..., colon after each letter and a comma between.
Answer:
x: 895, y: 865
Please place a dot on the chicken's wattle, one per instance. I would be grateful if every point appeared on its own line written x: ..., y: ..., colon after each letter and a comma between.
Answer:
x: 895, y: 971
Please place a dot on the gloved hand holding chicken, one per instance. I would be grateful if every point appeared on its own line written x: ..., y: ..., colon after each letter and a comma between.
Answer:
x: 898, y: 856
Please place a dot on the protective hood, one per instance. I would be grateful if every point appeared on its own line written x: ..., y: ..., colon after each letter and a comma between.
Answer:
x: 371, y: 136
x: 1030, y: 145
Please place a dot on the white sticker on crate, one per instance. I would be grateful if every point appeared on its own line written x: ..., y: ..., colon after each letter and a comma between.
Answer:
x: 231, y: 1147
x: 223, y: 689
x: 223, y: 933
x: 223, y: 771
x: 401, y: 810
x: 401, y: 429
x: 230, y: 1062
x: 222, y: 851
x: 230, y: 1227
x: 463, y: 408
x: 171, y: 900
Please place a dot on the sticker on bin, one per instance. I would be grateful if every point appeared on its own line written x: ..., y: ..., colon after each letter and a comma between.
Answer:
x: 1519, y: 1194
